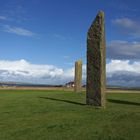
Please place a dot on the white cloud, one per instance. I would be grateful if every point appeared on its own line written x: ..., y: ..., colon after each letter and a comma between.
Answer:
x: 124, y: 22
x: 15, y: 11
x: 122, y: 65
x: 119, y: 49
x: 3, y: 18
x: 128, y: 26
x: 123, y: 73
x: 22, y: 70
x: 60, y: 37
x: 18, y: 31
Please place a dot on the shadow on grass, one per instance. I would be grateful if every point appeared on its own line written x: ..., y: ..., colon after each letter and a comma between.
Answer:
x: 123, y: 102
x: 61, y: 100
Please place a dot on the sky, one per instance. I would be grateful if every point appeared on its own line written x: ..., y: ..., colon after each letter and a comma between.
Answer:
x: 40, y: 40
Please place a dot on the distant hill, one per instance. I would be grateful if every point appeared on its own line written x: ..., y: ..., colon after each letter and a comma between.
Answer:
x: 18, y: 84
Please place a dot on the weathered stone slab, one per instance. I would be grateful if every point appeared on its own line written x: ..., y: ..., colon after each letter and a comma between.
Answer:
x: 78, y: 76
x: 96, y: 62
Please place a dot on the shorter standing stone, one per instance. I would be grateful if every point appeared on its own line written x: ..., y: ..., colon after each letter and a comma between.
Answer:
x: 78, y: 76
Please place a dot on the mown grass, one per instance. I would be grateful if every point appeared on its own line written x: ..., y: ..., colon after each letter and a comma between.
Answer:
x: 63, y: 115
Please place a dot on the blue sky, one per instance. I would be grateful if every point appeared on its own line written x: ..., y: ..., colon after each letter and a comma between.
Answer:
x: 53, y: 33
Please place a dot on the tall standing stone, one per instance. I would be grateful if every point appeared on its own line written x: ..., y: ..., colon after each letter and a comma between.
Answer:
x: 96, y: 62
x: 78, y: 76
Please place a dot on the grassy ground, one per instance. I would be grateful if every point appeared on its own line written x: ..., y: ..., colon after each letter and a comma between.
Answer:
x: 63, y: 115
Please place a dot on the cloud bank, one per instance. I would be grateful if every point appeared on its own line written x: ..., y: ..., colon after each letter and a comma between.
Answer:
x: 128, y: 26
x: 119, y: 72
x: 23, y: 71
x: 119, y: 49
x: 123, y: 73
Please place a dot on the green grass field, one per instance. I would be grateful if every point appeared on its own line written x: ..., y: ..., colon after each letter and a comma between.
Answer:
x: 63, y: 115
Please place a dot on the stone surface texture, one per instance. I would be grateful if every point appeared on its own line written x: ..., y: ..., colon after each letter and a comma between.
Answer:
x: 78, y: 76
x: 96, y: 62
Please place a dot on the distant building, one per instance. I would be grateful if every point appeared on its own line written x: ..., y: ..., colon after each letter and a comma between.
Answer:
x: 84, y: 86
x: 69, y: 84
